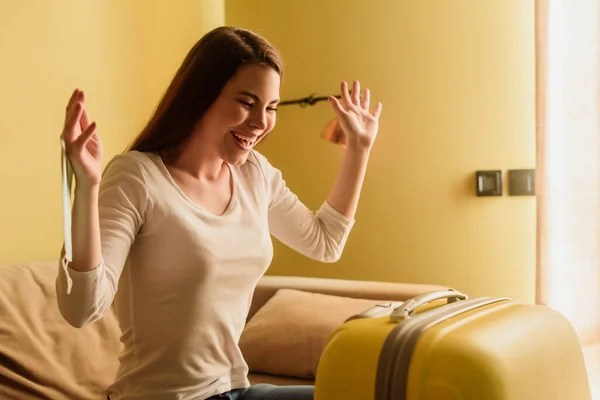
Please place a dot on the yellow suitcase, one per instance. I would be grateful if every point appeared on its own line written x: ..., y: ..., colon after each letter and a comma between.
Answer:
x: 445, y: 346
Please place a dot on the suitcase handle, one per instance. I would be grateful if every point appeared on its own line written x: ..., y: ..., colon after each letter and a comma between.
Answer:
x: 408, y: 308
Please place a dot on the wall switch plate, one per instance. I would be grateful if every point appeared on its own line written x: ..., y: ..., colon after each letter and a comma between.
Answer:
x: 488, y: 183
x: 521, y: 182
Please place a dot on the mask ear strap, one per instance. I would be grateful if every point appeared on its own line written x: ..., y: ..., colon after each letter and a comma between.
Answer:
x: 67, y: 185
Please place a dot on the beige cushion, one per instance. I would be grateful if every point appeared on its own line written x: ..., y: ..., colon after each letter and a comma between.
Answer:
x: 41, y: 355
x: 288, y: 334
x: 383, y: 291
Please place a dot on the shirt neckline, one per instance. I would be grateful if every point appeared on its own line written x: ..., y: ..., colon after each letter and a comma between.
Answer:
x: 234, y: 191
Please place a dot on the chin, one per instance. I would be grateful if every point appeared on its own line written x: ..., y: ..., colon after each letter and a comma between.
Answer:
x: 238, y: 159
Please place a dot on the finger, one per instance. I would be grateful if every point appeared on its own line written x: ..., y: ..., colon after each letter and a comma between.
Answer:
x: 356, y: 93
x: 75, y: 96
x: 84, y: 121
x: 86, y: 135
x: 345, y: 95
x: 71, y: 100
x: 377, y: 110
x: 366, y: 99
x: 70, y: 121
x: 339, y: 109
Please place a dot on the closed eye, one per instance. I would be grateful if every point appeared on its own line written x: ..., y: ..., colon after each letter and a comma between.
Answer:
x: 249, y: 105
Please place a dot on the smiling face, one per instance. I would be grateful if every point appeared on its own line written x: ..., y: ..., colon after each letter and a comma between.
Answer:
x: 242, y: 115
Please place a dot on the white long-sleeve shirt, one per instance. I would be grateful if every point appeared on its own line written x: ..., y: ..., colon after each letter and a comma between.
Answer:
x: 182, y: 278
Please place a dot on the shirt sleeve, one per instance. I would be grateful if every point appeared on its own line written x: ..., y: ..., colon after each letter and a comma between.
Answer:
x: 84, y: 297
x: 319, y: 235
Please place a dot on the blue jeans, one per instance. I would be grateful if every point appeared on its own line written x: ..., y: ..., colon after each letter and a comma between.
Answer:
x: 265, y: 391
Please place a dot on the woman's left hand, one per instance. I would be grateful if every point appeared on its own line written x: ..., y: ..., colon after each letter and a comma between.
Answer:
x: 359, y: 125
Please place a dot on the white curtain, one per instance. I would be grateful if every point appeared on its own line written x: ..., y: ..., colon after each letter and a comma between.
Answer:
x: 568, y: 167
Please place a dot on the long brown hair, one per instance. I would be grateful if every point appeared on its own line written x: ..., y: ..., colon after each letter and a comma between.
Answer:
x: 208, y: 66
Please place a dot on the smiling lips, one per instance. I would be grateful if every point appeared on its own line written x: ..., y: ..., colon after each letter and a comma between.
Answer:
x: 244, y: 141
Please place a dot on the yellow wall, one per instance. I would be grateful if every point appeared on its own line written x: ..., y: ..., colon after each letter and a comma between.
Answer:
x: 457, y: 82
x: 122, y: 53
x: 456, y: 79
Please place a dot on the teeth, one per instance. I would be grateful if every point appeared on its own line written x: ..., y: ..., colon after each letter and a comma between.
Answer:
x: 244, y: 139
x: 243, y: 136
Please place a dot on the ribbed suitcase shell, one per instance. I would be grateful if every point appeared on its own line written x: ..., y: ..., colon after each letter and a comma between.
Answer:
x: 472, y: 349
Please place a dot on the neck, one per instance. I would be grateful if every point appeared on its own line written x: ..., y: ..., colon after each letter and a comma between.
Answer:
x: 197, y: 160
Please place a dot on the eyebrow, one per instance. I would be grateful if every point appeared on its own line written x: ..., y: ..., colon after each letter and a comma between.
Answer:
x: 255, y: 97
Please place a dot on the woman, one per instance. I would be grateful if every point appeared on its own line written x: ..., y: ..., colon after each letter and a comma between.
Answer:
x: 180, y: 224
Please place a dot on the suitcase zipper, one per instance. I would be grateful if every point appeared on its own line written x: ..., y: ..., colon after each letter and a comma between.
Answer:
x: 394, y: 361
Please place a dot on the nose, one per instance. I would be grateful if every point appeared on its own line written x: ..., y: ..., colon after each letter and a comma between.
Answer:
x: 258, y: 119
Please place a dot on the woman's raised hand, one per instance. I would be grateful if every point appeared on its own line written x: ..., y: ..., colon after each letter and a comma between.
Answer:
x: 82, y: 143
x: 359, y: 124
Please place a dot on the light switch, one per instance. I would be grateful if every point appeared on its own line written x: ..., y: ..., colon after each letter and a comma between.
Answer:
x: 488, y: 183
x: 521, y: 182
